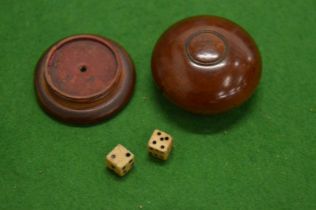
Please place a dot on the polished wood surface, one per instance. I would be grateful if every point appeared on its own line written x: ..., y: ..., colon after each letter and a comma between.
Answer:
x: 84, y: 79
x: 206, y: 64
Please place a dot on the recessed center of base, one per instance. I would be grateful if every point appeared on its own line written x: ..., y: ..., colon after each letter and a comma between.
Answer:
x: 82, y: 68
x: 206, y: 48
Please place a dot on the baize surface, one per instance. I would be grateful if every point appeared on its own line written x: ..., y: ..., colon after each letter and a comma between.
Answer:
x: 260, y: 156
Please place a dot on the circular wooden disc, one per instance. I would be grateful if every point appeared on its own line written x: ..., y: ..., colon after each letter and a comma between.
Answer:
x: 84, y: 79
x: 206, y: 64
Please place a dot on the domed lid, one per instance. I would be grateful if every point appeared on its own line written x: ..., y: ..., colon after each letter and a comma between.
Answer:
x: 206, y: 64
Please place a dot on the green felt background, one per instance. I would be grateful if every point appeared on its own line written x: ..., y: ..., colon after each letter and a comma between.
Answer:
x: 260, y: 156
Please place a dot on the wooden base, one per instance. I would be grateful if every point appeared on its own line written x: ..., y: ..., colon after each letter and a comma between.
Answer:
x: 84, y: 79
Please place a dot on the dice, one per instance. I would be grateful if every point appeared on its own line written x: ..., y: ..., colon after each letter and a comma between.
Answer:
x: 160, y: 144
x: 120, y: 160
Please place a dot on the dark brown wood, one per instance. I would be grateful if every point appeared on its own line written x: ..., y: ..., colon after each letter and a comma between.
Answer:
x: 206, y: 64
x: 84, y: 79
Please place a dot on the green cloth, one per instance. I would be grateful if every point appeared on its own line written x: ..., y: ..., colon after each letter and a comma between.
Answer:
x: 260, y: 156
